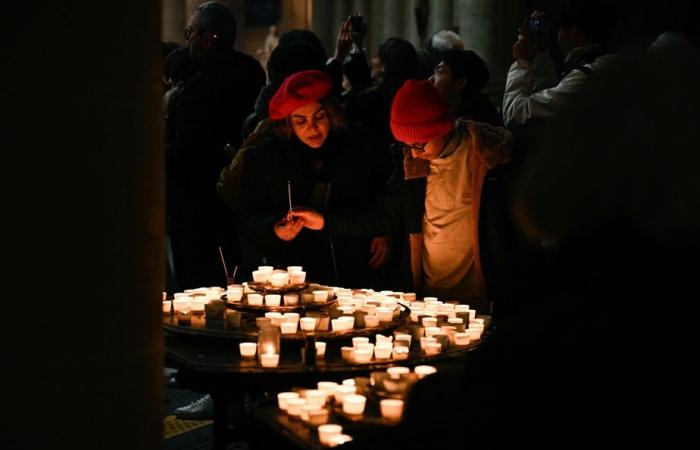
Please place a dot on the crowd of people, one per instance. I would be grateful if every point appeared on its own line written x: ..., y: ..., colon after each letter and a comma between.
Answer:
x: 404, y: 175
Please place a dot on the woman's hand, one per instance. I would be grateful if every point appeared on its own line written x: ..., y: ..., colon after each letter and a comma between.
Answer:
x: 380, y: 248
x: 287, y: 229
x: 312, y: 219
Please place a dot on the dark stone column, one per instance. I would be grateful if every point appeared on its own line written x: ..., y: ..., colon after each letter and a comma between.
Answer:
x: 83, y: 224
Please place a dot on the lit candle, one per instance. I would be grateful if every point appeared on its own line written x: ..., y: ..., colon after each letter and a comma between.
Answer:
x: 363, y: 355
x: 396, y: 372
x: 462, y: 339
x: 423, y: 371
x: 400, y: 352
x: 167, y: 306
x: 354, y: 404
x: 315, y: 397
x: 255, y: 299
x: 327, y: 386
x: 391, y: 408
x: 343, y: 390
x: 293, y: 269
x: 308, y: 323
x: 432, y: 348
x: 248, y: 349
x: 272, y: 299
x: 288, y: 327
x: 385, y: 314
x: 348, y: 354
x: 279, y: 279
x: 260, y: 276
x: 294, y: 406
x: 320, y: 349
x: 339, y: 439
x: 320, y: 296
x: 291, y: 299
x: 234, y: 294
x: 371, y: 321
x: 356, y: 341
x: 383, y: 350
x: 297, y: 277
x: 282, y: 398
x: 325, y: 432
x: 269, y: 360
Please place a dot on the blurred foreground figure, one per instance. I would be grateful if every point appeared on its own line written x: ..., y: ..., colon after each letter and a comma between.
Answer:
x: 608, y: 350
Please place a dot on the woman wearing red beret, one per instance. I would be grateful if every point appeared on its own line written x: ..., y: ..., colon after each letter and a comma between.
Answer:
x: 305, y: 144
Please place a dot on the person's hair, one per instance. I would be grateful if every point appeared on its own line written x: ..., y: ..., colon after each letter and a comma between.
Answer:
x: 595, y: 18
x: 467, y: 64
x: 284, y: 129
x: 399, y: 58
x: 444, y: 40
x: 293, y: 57
x: 217, y: 18
x: 306, y: 36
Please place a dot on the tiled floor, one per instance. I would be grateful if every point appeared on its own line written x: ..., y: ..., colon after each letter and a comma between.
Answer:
x: 187, y: 434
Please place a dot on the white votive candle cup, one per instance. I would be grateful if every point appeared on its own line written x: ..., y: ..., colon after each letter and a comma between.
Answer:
x: 371, y: 321
x: 432, y: 348
x: 383, y: 350
x: 356, y: 341
x: 282, y: 398
x: 354, y: 404
x: 272, y: 299
x: 429, y: 322
x: 260, y: 277
x: 462, y: 339
x: 349, y: 382
x: 269, y: 359
x: 279, y: 279
x: 325, y: 432
x: 327, y: 386
x: 348, y: 354
x: 339, y: 439
x: 266, y: 269
x: 234, y: 294
x: 255, y: 299
x: 342, y: 390
x: 167, y: 306
x: 308, y: 323
x: 396, y: 372
x: 423, y: 371
x: 248, y: 349
x: 291, y: 299
x: 400, y: 352
x: 288, y: 327
x: 391, y: 409
x: 320, y: 349
x: 385, y: 314
x: 297, y: 277
x: 320, y: 296
x: 315, y: 397
x: 363, y: 355
x: 292, y: 269
x: 294, y: 406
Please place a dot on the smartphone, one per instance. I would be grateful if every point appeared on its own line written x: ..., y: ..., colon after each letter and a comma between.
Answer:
x: 357, y: 24
x: 534, y: 25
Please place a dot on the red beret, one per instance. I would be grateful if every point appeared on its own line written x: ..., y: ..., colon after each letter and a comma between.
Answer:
x: 298, y: 90
x: 419, y: 113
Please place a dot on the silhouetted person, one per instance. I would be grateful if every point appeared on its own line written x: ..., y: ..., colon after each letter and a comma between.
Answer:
x: 208, y: 114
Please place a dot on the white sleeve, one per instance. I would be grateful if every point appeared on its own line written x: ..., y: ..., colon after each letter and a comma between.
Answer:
x: 531, y: 94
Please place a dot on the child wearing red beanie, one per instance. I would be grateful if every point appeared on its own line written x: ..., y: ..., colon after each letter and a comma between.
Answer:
x: 439, y: 196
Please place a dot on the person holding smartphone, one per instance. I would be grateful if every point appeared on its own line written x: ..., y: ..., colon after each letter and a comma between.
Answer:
x: 534, y: 92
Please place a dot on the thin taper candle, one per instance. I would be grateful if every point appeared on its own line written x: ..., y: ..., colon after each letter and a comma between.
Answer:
x: 289, y: 194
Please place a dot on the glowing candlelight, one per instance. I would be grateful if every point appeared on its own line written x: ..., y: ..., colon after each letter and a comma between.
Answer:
x: 269, y: 360
x: 391, y: 408
x: 354, y: 404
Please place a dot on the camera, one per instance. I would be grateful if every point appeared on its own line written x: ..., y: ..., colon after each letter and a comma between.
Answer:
x: 534, y: 25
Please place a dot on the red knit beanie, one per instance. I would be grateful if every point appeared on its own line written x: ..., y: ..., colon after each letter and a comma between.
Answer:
x: 419, y: 113
x: 298, y: 90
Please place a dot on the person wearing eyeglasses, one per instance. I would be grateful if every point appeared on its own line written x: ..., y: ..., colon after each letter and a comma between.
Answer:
x: 208, y: 113
x: 435, y: 195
